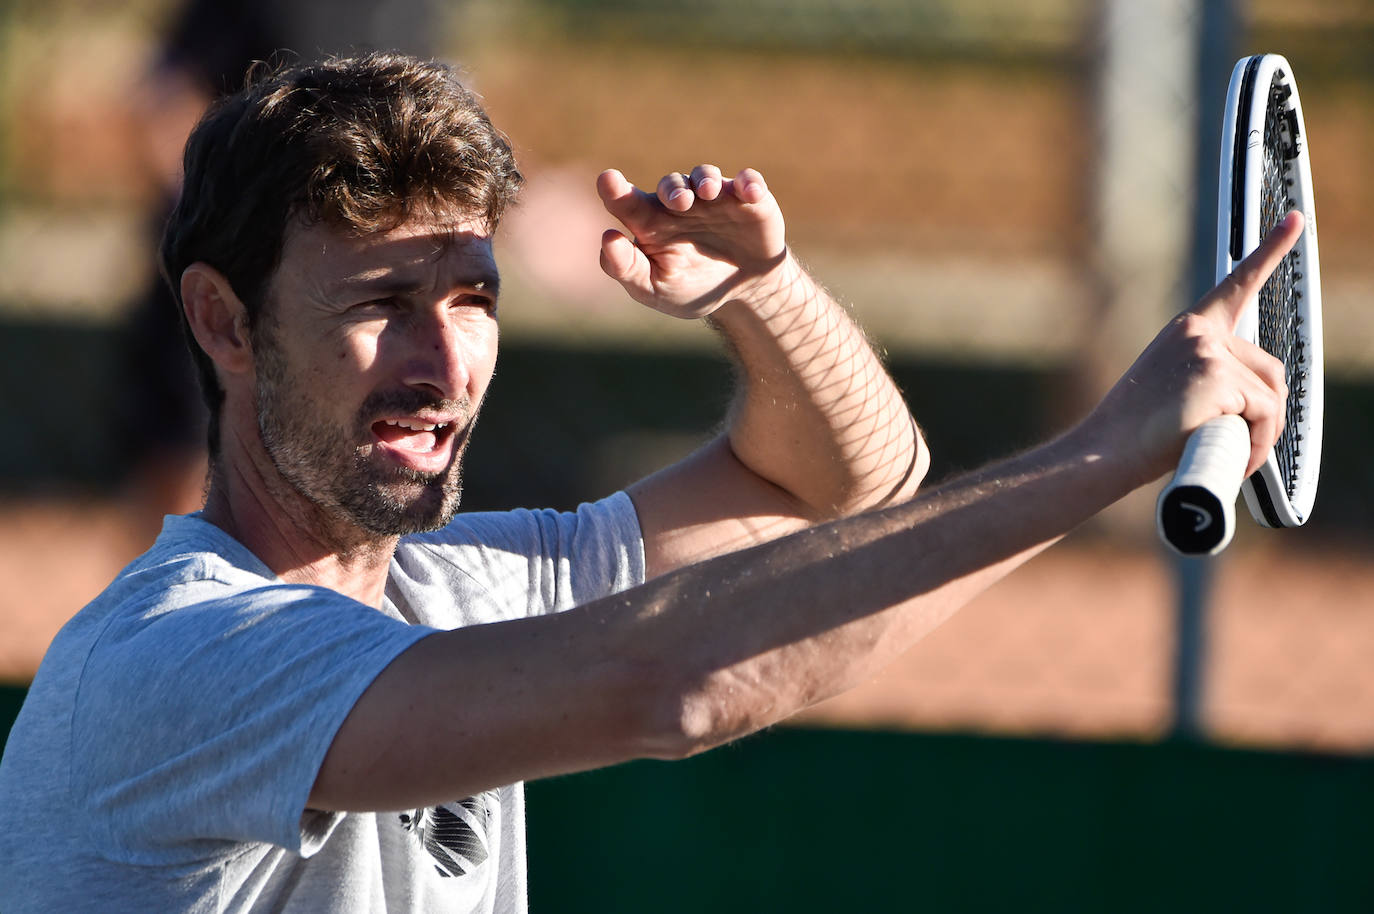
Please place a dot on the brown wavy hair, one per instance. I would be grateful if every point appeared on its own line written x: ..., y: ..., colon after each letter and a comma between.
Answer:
x: 362, y: 143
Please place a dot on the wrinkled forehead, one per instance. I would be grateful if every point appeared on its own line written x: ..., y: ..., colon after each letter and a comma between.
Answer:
x: 434, y: 251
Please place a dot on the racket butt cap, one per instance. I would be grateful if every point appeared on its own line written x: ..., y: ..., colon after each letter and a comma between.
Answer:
x: 1194, y: 521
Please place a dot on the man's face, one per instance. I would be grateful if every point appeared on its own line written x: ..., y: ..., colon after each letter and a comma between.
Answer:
x: 373, y: 355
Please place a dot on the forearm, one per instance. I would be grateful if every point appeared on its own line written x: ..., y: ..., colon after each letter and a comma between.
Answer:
x: 817, y: 413
x: 707, y: 653
x: 761, y: 634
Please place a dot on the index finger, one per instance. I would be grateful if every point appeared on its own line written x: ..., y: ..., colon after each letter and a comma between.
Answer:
x: 618, y: 195
x: 1228, y: 300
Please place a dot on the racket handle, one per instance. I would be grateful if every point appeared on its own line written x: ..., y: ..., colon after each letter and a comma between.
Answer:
x: 1196, y: 512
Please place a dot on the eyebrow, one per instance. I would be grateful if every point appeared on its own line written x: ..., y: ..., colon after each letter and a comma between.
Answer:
x: 389, y: 283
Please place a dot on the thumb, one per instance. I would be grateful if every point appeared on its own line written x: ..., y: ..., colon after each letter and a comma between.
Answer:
x: 621, y: 198
x: 622, y: 260
x: 1228, y: 300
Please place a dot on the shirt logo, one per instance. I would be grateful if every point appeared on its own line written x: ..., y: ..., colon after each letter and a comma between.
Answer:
x: 455, y: 834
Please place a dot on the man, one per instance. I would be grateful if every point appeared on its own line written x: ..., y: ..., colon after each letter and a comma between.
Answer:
x: 281, y: 704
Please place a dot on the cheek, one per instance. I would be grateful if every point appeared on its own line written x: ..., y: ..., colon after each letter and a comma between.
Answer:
x: 484, y: 364
x: 490, y: 345
x: 359, y: 350
x: 338, y: 371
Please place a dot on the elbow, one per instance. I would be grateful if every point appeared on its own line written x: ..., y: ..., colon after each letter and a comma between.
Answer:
x: 920, y: 466
x: 675, y: 724
x: 703, y: 722
x: 896, y: 479
x: 916, y: 462
x: 687, y: 721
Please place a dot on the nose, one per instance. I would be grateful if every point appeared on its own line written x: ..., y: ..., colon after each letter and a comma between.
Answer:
x: 441, y: 354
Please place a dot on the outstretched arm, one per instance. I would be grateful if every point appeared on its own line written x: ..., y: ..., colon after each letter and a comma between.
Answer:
x: 713, y: 651
x: 818, y: 430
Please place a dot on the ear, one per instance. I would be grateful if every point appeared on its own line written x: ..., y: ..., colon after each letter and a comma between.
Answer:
x: 217, y: 318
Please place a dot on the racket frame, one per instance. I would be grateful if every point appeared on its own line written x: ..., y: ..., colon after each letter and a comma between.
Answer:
x: 1247, y: 99
x: 1195, y: 511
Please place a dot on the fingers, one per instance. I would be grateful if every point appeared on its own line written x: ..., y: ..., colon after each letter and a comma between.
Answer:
x: 697, y: 233
x: 1262, y: 386
x: 1194, y: 371
x: 749, y: 186
x: 621, y: 258
x: 1228, y: 375
x: 611, y: 184
x: 621, y: 198
x: 677, y: 191
x: 707, y: 181
x: 1256, y: 383
x: 1228, y: 300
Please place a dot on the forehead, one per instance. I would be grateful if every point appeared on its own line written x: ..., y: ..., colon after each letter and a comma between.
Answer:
x: 422, y: 252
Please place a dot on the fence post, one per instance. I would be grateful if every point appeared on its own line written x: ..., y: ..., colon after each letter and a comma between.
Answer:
x: 1217, y: 28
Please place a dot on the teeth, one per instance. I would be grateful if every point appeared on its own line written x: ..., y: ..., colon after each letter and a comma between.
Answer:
x: 416, y: 425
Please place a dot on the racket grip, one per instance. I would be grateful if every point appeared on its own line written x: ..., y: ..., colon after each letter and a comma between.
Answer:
x: 1196, y: 512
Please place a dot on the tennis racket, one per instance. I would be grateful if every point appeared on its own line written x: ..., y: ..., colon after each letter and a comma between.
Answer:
x: 1265, y: 173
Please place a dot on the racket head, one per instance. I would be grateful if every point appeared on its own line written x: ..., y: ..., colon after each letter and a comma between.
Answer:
x: 1265, y: 172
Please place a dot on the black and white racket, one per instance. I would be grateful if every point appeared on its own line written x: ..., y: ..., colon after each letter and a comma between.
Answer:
x: 1265, y: 173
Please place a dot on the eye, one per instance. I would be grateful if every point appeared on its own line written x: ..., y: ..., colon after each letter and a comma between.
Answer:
x: 384, y: 304
x: 480, y: 300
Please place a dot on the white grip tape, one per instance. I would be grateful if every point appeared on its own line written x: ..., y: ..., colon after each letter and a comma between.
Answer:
x: 1196, y: 512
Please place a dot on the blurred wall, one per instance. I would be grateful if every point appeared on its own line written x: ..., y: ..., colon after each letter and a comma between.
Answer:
x: 936, y: 161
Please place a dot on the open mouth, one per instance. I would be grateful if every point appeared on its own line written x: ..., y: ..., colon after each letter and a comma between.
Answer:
x: 417, y: 443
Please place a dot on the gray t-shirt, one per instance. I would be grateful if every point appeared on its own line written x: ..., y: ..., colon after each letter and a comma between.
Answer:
x: 168, y: 744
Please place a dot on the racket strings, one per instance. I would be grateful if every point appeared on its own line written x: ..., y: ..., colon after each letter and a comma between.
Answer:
x: 1281, y: 331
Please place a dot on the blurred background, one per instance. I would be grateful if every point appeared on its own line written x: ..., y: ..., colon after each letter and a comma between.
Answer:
x: 1012, y: 197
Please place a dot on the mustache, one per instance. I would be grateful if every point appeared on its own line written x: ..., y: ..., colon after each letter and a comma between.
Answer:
x: 389, y: 402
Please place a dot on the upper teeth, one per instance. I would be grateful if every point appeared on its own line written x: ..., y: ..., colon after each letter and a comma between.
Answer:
x: 415, y: 425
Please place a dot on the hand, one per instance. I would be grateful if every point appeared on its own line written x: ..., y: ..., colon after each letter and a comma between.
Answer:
x: 1197, y: 369
x: 698, y: 241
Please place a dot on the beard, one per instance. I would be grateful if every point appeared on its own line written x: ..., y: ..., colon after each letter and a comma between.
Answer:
x: 326, y: 464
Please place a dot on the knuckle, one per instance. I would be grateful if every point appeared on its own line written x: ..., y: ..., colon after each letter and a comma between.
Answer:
x: 1280, y: 398
x: 1207, y: 350
x: 1192, y: 325
x: 1274, y: 368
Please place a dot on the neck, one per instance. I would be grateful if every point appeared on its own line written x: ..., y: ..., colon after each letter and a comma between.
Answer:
x: 302, y: 542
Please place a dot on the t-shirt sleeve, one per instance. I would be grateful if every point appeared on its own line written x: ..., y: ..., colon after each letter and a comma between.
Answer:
x: 227, y: 703
x: 589, y: 553
x: 510, y: 564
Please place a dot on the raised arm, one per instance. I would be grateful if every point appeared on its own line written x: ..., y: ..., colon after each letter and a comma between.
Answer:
x: 713, y: 651
x: 818, y: 429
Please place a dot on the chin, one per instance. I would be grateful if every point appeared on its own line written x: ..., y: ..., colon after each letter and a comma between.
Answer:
x: 388, y: 512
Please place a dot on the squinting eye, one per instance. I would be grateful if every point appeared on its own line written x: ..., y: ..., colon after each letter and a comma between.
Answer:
x: 376, y: 304
x: 486, y: 303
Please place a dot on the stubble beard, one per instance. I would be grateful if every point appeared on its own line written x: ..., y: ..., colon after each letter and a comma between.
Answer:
x: 327, y: 466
